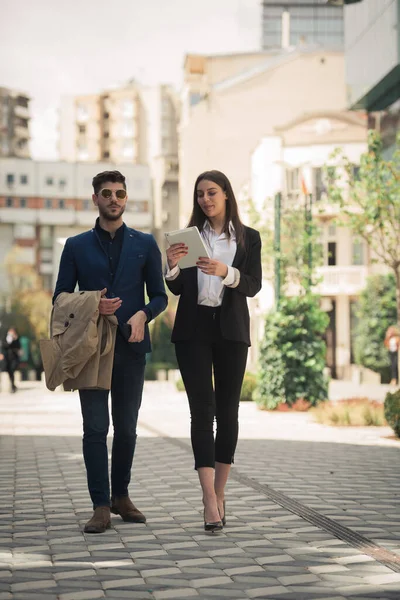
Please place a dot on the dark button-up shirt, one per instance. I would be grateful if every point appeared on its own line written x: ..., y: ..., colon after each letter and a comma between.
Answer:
x: 111, y: 245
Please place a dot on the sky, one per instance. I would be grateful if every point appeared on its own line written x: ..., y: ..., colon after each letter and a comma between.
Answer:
x: 50, y: 48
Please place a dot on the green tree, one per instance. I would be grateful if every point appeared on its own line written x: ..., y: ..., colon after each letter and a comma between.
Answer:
x: 375, y: 312
x: 299, y: 252
x: 369, y: 199
x: 29, y: 302
x: 292, y: 355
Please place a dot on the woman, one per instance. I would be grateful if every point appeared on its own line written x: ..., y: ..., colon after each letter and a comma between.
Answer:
x: 211, y: 331
x: 392, y: 343
x: 11, y: 353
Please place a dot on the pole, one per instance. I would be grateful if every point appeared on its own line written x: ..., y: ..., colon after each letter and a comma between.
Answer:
x: 308, y: 228
x: 310, y: 256
x: 277, y: 247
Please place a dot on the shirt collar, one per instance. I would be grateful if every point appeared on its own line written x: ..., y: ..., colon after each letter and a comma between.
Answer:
x: 106, y: 234
x: 207, y: 227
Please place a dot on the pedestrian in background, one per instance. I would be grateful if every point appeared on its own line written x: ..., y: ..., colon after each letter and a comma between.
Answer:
x: 11, y: 350
x: 212, y: 331
x: 392, y: 343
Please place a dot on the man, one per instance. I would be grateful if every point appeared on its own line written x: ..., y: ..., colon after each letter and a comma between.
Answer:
x: 119, y: 261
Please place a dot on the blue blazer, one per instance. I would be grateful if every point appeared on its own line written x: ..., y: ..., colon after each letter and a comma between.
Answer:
x: 85, y: 262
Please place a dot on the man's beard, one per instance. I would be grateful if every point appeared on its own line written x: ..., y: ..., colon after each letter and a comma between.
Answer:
x: 108, y: 216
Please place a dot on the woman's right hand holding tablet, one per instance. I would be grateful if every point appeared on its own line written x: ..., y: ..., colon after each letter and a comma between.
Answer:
x: 175, y: 253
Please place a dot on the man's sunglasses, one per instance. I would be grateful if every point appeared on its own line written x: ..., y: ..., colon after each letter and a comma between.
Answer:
x: 106, y: 193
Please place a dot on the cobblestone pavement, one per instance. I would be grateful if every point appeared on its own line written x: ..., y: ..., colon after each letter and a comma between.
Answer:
x: 312, y: 511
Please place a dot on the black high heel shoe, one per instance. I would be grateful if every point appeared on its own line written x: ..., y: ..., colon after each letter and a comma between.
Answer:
x: 212, y: 526
x: 223, y: 519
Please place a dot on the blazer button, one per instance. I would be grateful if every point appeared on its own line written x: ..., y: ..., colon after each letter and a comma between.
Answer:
x: 66, y: 323
x: 71, y: 316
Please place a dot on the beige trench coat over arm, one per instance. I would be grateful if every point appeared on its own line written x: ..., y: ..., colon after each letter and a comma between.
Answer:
x: 80, y: 353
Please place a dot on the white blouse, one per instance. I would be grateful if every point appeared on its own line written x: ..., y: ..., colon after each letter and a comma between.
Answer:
x: 211, y: 288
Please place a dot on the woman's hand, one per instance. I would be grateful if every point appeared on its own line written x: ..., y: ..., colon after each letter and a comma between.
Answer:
x: 175, y: 253
x: 212, y: 267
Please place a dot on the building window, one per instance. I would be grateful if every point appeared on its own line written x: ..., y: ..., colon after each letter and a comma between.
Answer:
x: 62, y: 183
x: 82, y: 112
x: 106, y: 134
x: 331, y: 254
x: 356, y: 172
x: 61, y: 203
x: 48, y: 203
x: 128, y: 129
x: 86, y: 205
x: 358, y: 252
x: 49, y: 181
x: 82, y: 128
x: 319, y: 184
x: 23, y: 179
x: 46, y: 236
x: 22, y: 202
x: 106, y: 115
x: 10, y: 178
x: 195, y: 98
x: 127, y: 108
x: 47, y: 281
x: 9, y: 202
x: 106, y: 154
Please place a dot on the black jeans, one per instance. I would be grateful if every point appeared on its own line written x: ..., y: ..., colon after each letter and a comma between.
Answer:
x: 126, y: 397
x: 394, y: 366
x: 198, y: 359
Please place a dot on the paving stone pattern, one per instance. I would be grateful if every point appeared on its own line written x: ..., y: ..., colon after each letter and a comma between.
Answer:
x: 265, y: 551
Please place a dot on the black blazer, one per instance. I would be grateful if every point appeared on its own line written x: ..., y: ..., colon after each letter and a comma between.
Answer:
x: 235, y: 320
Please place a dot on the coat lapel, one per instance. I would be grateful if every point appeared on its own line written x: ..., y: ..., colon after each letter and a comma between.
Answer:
x: 239, y: 256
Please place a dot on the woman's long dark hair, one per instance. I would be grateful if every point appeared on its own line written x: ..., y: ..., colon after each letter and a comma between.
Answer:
x: 198, y: 217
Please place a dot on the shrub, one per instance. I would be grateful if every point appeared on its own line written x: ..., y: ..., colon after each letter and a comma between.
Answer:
x: 350, y: 412
x: 152, y: 368
x: 375, y: 312
x: 392, y: 411
x: 248, y: 387
x: 292, y: 356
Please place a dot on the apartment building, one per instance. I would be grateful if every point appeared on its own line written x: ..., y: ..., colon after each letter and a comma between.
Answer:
x: 130, y: 124
x: 289, y: 22
x: 43, y: 203
x: 296, y: 153
x: 14, y: 123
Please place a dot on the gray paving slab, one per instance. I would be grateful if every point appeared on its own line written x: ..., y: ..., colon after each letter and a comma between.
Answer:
x: 266, y: 550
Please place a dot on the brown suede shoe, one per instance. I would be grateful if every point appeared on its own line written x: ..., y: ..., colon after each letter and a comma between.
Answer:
x: 122, y: 505
x: 100, y: 520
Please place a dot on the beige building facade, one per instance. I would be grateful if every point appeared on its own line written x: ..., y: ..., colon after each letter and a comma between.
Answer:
x: 230, y: 102
x: 14, y: 123
x: 292, y: 162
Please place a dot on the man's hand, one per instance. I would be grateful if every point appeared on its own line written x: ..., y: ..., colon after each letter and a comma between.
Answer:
x: 137, y: 322
x: 108, y: 306
x: 212, y: 267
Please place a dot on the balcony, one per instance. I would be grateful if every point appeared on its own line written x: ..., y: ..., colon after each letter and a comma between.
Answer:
x: 21, y: 111
x: 335, y: 281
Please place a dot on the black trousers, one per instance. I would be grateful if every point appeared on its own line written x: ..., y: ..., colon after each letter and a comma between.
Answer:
x: 126, y: 397
x: 394, y: 365
x: 199, y: 359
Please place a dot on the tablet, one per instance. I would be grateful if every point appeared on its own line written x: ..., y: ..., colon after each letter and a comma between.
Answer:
x: 193, y: 240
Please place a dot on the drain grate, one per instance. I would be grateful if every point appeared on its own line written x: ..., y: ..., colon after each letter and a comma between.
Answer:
x: 354, y: 539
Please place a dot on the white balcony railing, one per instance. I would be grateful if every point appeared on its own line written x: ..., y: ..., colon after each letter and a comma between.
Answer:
x: 341, y: 280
